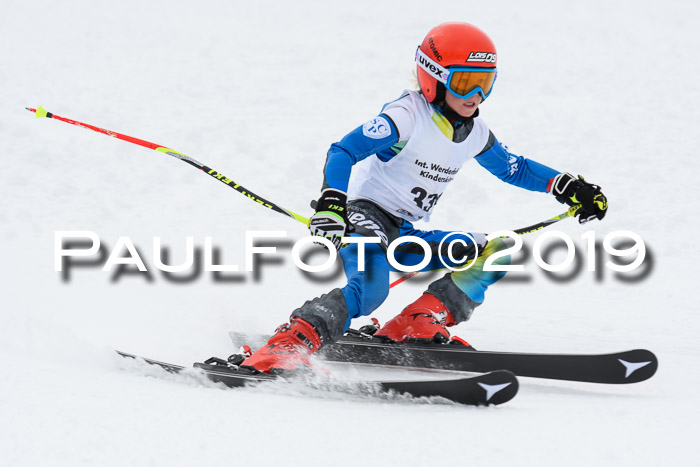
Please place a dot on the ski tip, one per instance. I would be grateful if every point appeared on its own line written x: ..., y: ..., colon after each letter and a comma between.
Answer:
x: 639, y: 365
x: 500, y: 386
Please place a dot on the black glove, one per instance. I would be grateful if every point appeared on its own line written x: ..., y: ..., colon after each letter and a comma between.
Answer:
x: 576, y: 191
x: 331, y: 218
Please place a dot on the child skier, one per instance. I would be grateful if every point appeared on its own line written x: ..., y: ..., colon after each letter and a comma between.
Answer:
x: 418, y: 143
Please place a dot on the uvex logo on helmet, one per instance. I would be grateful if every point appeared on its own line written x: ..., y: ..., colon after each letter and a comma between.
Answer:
x: 483, y: 57
x: 435, y: 70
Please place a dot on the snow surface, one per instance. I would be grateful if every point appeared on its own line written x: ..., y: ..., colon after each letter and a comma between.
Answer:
x: 258, y: 90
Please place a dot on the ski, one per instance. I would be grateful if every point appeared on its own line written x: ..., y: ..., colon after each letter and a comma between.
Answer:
x: 493, y: 388
x: 630, y: 366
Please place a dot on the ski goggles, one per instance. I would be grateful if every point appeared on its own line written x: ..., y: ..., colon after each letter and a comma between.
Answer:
x: 461, y: 81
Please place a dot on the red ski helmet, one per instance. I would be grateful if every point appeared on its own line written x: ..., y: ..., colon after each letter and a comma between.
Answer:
x: 459, y: 56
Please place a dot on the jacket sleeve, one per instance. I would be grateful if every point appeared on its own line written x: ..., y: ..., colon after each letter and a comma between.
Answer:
x: 374, y: 137
x: 516, y: 170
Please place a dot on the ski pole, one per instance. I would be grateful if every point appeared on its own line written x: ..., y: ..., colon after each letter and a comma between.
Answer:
x: 41, y: 112
x: 522, y: 231
x: 571, y: 212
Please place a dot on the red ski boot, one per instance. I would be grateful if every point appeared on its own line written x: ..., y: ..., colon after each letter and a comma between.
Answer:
x: 289, y: 348
x: 425, y: 319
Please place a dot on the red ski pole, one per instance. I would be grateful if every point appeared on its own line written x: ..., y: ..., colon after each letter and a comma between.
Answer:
x: 41, y: 112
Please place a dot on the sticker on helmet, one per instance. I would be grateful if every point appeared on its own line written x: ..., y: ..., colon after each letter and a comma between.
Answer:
x: 377, y: 128
x: 434, y: 49
x: 482, y: 57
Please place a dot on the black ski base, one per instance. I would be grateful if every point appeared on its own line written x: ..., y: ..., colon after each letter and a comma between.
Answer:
x: 492, y: 388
